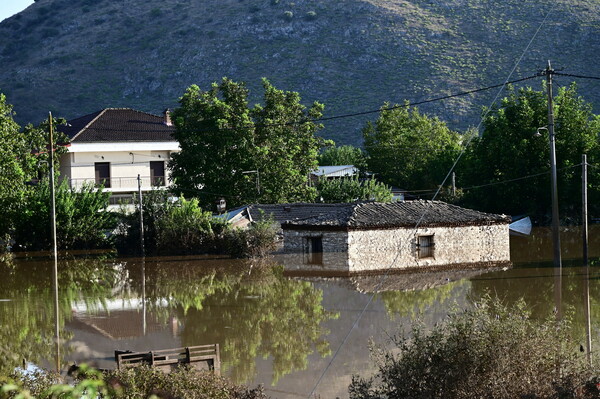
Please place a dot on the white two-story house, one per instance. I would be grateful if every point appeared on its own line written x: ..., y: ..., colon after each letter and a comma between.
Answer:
x: 113, y: 146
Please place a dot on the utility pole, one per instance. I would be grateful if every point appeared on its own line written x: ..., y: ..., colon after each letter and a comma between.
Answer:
x: 142, y: 249
x: 584, y: 208
x: 453, y: 184
x: 555, y: 218
x: 584, y: 228
x: 54, y: 245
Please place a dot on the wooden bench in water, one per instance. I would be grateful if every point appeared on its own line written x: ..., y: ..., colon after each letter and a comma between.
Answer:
x: 203, y: 357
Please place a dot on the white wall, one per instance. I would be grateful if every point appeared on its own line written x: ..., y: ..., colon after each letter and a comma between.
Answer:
x: 78, y: 166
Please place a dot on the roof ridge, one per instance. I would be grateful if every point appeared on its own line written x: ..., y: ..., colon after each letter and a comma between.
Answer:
x: 131, y: 109
x: 89, y: 124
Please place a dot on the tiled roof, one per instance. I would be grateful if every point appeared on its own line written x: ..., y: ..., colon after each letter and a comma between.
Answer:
x: 282, y: 212
x: 397, y: 214
x: 118, y: 124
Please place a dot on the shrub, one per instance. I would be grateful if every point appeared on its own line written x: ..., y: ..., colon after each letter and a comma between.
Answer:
x: 489, y: 351
x: 141, y: 382
x: 288, y: 15
x: 259, y: 240
x: 311, y: 15
x: 350, y: 189
x: 82, y: 219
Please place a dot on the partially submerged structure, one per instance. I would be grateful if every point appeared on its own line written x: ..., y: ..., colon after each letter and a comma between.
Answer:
x: 367, y: 237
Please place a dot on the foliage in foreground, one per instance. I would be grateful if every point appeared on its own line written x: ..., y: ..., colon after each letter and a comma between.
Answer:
x: 142, y: 382
x: 490, y: 351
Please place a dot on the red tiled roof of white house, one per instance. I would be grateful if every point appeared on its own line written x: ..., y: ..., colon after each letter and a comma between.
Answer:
x: 375, y: 215
x: 119, y: 124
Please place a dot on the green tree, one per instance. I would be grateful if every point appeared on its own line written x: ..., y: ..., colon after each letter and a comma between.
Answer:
x: 286, y: 145
x: 408, y: 149
x: 508, y: 151
x: 82, y: 218
x: 343, y: 155
x: 222, y: 140
x: 350, y: 189
x: 13, y: 149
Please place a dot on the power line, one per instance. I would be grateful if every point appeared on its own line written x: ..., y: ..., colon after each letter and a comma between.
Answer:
x: 464, y: 93
x: 576, y: 76
x: 384, y: 277
x: 335, y: 117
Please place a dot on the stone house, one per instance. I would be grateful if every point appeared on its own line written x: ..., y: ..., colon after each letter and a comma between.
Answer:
x: 113, y: 146
x: 368, y: 237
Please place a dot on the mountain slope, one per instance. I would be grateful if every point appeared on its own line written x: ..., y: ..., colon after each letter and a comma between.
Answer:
x: 77, y: 56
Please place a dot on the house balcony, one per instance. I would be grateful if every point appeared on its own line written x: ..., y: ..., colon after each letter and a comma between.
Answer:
x: 121, y: 184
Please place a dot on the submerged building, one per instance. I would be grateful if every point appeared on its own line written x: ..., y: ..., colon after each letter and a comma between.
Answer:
x: 367, y: 237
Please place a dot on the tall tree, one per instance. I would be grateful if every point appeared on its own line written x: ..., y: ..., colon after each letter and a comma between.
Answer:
x: 350, y: 189
x: 507, y: 152
x: 343, y: 155
x: 408, y: 149
x: 13, y: 150
x: 243, y: 154
x: 286, y: 145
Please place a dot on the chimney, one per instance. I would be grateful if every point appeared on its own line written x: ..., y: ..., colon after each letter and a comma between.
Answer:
x: 167, y: 115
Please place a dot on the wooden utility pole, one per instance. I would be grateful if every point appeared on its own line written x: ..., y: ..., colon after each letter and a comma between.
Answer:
x: 584, y: 229
x: 584, y: 210
x: 54, y: 244
x: 140, y: 207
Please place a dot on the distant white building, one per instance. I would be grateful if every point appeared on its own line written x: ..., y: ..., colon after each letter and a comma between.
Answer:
x: 113, y: 146
x: 335, y: 171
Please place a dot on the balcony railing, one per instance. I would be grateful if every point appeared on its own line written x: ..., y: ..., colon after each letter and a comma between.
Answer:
x: 120, y: 183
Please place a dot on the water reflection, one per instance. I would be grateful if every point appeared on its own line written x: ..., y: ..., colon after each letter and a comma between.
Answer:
x: 271, y: 328
x: 27, y: 316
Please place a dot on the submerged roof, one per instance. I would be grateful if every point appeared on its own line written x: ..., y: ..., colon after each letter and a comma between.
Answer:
x: 282, y: 212
x: 118, y: 124
x: 397, y: 214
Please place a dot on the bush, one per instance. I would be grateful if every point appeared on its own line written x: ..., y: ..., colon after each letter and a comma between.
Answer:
x: 141, y: 382
x: 489, y: 351
x: 259, y: 240
x: 288, y: 15
x: 82, y: 219
x: 311, y: 15
x: 350, y: 189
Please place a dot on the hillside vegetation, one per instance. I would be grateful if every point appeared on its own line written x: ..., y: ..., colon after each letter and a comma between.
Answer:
x: 76, y: 56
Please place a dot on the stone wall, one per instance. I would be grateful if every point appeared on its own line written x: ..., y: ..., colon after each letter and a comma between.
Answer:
x: 296, y: 250
x: 398, y: 249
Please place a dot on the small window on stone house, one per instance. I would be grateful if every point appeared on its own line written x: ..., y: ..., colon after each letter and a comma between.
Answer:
x: 314, y: 250
x: 425, y: 246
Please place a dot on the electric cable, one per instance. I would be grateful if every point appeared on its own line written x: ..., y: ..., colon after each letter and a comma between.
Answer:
x: 384, y: 277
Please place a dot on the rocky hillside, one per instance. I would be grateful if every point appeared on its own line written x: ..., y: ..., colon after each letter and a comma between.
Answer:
x: 77, y: 56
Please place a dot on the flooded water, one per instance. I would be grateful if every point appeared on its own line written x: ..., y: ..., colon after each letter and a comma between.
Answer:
x: 284, y: 332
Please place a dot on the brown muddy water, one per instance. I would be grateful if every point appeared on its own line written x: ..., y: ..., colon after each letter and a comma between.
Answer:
x: 272, y: 329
